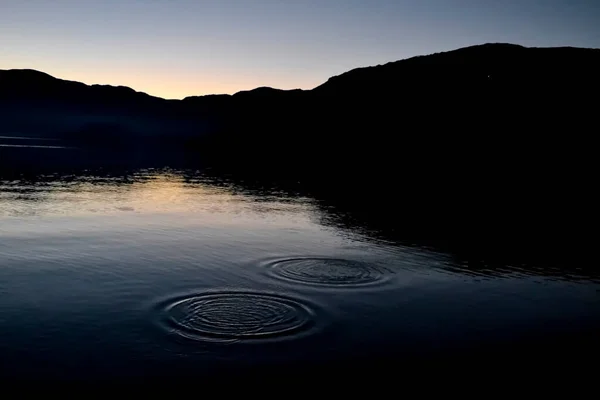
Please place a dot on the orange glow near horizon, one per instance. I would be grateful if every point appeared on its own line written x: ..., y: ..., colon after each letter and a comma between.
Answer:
x: 170, y: 84
x: 179, y: 48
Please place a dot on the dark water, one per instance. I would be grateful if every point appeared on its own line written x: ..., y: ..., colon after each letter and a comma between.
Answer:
x: 171, y: 272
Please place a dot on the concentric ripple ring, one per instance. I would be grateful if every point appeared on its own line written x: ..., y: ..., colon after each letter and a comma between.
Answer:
x: 232, y: 316
x: 326, y: 271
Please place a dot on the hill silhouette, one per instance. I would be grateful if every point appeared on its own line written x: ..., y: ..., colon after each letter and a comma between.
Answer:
x: 490, y: 83
x: 488, y: 144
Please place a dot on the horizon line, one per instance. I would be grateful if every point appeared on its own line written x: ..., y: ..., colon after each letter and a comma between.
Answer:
x: 274, y: 88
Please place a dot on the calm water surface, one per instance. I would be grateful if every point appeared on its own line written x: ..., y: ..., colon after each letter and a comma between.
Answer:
x: 166, y: 271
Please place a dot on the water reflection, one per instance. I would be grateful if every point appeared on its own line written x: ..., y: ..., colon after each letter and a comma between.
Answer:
x: 141, y: 191
x: 381, y: 222
x: 203, y: 193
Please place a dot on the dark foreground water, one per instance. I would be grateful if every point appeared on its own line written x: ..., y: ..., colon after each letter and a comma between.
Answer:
x: 178, y: 272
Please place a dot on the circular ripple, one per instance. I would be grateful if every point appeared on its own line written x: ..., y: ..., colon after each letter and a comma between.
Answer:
x: 239, y: 316
x: 326, y: 271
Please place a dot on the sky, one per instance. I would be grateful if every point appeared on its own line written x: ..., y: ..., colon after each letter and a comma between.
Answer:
x: 179, y: 48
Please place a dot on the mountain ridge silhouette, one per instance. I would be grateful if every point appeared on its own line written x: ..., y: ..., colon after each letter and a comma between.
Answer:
x: 500, y: 87
x: 494, y: 47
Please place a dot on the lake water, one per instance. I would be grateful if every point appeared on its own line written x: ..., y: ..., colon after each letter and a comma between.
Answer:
x: 177, y: 271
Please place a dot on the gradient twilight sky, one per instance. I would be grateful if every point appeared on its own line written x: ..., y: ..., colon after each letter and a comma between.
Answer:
x: 177, y: 48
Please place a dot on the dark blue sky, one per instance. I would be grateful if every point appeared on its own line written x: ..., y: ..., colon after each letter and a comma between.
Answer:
x: 176, y: 48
